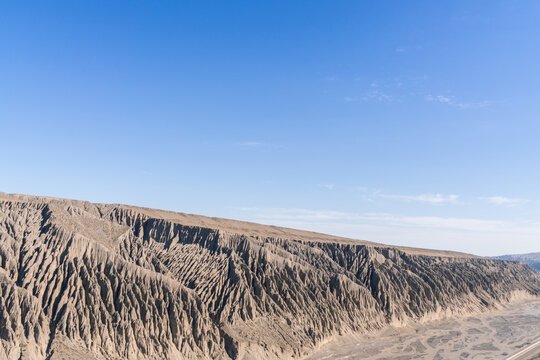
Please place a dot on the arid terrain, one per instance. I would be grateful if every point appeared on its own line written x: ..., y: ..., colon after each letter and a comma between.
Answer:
x: 104, y: 281
x: 492, y: 335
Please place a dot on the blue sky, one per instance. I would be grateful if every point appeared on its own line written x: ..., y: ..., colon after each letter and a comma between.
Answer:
x: 404, y: 123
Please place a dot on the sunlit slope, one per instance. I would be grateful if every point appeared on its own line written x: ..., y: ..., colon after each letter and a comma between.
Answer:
x: 114, y: 281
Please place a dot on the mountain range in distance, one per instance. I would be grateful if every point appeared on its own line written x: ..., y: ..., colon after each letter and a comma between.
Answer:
x: 531, y: 259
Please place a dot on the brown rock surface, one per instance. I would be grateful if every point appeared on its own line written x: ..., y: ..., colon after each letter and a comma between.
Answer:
x: 96, y: 281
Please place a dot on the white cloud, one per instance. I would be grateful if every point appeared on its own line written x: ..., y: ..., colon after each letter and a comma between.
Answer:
x: 502, y: 200
x: 348, y: 99
x: 451, y: 100
x: 479, y: 236
x: 377, y: 95
x: 440, y: 98
x: 433, y: 199
x: 328, y: 186
x: 385, y: 219
x: 464, y: 224
x: 445, y: 99
x: 400, y: 50
x: 436, y: 199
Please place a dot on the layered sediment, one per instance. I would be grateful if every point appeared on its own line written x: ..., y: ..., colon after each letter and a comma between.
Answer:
x: 106, y: 281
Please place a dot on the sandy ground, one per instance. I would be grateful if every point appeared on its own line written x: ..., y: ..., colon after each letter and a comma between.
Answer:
x: 494, y: 335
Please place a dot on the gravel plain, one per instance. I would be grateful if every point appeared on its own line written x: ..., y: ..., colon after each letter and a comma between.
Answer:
x: 493, y: 335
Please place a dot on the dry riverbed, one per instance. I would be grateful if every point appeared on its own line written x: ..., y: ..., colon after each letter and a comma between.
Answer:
x: 494, y: 335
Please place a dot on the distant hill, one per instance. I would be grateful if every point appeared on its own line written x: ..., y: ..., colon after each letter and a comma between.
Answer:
x: 533, y: 259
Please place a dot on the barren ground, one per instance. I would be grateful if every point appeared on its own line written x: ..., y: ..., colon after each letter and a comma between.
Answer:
x: 108, y: 282
x: 494, y: 335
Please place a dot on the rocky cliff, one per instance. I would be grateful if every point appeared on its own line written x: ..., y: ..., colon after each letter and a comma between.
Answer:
x: 96, y: 281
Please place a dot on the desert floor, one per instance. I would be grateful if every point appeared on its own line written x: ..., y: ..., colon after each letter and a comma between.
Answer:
x: 494, y: 335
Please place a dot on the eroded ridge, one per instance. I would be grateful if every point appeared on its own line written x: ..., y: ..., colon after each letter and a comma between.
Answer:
x: 113, y: 281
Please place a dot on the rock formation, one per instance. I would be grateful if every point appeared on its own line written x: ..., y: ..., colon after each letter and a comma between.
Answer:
x: 96, y: 281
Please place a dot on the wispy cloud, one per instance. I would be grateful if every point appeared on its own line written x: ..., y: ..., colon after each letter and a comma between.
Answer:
x: 445, y: 99
x: 427, y: 198
x: 467, y: 224
x: 440, y: 98
x: 385, y: 219
x: 401, y: 89
x: 475, y: 105
x: 400, y: 50
x: 435, y: 199
x: 249, y: 143
x: 328, y: 186
x: 362, y: 189
x: 377, y: 95
x: 388, y: 90
x: 456, y: 233
x: 298, y: 214
x: 259, y: 146
x: 502, y: 200
x: 451, y: 100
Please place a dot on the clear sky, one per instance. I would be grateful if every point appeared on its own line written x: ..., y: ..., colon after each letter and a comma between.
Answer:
x: 411, y: 123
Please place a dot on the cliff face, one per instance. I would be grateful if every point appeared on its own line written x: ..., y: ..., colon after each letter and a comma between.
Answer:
x: 118, y: 282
